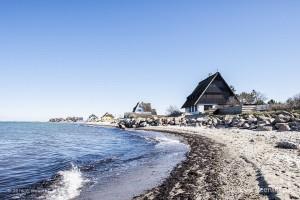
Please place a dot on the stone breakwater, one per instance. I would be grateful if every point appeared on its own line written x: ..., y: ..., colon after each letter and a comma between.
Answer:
x: 268, y: 121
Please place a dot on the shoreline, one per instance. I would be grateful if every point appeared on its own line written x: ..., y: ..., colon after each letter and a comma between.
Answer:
x: 202, y: 175
x: 182, y: 182
x: 246, y: 165
x: 230, y: 163
x: 138, y: 178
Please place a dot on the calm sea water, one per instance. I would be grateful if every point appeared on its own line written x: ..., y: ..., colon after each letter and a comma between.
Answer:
x: 66, y: 161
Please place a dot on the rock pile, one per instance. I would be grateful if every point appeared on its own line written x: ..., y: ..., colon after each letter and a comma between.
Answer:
x: 139, y: 122
x: 281, y: 121
x: 68, y: 119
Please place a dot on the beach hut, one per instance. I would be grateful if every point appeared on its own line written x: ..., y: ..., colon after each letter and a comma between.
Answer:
x: 211, y: 94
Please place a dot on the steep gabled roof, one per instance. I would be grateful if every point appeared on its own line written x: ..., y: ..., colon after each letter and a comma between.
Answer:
x: 108, y: 115
x: 146, y: 107
x: 193, y: 98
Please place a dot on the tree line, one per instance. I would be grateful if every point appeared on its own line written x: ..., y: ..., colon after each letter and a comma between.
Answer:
x: 257, y: 98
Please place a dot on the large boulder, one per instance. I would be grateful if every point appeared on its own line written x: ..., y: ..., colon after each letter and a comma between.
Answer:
x: 262, y: 123
x: 261, y: 118
x: 282, y: 118
x: 296, y: 115
x: 246, y: 126
x: 172, y: 122
x: 158, y: 122
x: 143, y: 124
x: 282, y: 127
x: 253, y: 126
x: 122, y: 126
x: 228, y: 119
x: 252, y: 120
x: 149, y: 120
x: 264, y: 120
x: 286, y: 113
x: 193, y: 120
x: 235, y: 122
x: 295, y: 126
x: 215, y: 121
x: 264, y: 128
x: 241, y: 123
x: 176, y: 121
x: 201, y: 119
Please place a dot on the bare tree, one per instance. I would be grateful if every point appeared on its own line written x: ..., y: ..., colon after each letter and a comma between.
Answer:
x: 259, y: 97
x: 294, y: 102
x: 253, y: 97
x: 173, y: 111
x: 246, y: 98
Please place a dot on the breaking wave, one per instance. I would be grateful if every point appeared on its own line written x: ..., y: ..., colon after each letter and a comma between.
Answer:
x: 69, y: 185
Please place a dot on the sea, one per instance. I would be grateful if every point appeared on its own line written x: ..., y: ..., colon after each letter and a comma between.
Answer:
x: 61, y: 161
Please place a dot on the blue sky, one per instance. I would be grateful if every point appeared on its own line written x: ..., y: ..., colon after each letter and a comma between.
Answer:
x: 61, y: 58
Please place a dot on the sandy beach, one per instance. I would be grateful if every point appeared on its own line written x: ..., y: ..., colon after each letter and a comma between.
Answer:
x: 232, y: 164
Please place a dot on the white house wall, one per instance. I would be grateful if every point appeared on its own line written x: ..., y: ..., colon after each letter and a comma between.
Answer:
x: 200, y: 108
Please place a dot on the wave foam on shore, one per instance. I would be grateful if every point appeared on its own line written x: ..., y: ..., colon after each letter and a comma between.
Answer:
x: 68, y: 186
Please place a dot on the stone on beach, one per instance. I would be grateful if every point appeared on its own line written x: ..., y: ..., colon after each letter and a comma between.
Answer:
x: 287, y: 145
x: 282, y: 118
x: 264, y: 128
x: 282, y: 127
x: 246, y: 126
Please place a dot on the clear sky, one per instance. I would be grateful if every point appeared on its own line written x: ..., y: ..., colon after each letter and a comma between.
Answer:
x: 61, y: 58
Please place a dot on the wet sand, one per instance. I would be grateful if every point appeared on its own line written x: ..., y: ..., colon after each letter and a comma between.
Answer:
x: 208, y: 172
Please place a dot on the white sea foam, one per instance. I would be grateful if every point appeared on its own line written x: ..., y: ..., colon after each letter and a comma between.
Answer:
x: 166, y: 140
x: 69, y: 186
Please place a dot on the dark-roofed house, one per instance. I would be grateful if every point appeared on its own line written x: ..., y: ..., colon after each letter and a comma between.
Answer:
x: 144, y: 108
x: 211, y: 93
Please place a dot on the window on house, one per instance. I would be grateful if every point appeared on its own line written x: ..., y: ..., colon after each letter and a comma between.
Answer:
x: 207, y: 107
x: 196, y: 108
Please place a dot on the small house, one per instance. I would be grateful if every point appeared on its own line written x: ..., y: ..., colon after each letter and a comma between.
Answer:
x: 210, y: 94
x: 144, y: 108
x: 107, y: 117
